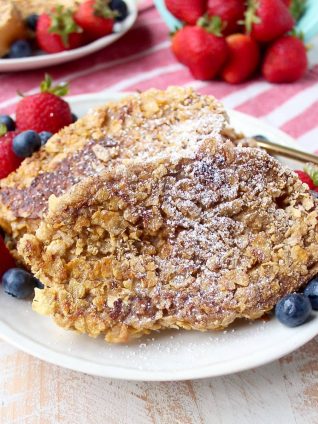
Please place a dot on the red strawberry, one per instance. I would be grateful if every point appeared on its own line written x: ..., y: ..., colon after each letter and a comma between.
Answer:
x: 57, y: 31
x: 244, y: 57
x: 9, y: 162
x: 287, y: 2
x: 305, y: 178
x: 45, y: 111
x: 200, y: 49
x: 96, y: 18
x: 285, y: 60
x: 188, y: 11
x: 230, y: 11
x: 6, y: 260
x: 267, y: 20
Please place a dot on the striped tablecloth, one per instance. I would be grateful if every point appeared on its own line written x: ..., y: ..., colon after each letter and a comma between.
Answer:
x: 143, y: 59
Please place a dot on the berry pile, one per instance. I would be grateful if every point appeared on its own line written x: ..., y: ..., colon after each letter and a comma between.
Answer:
x: 38, y: 117
x: 65, y: 29
x: 234, y: 39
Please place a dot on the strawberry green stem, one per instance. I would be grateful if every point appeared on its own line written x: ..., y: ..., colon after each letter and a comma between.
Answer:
x: 102, y: 9
x: 312, y: 171
x: 251, y: 16
x: 213, y: 24
x: 46, y: 86
x: 63, y: 24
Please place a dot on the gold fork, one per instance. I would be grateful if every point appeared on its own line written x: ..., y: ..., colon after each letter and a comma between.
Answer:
x: 288, y: 152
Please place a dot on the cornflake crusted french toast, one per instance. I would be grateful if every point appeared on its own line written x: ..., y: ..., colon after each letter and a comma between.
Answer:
x: 139, y: 126
x: 192, y: 241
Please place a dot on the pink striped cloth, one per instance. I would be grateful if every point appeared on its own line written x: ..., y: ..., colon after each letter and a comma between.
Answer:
x: 142, y: 59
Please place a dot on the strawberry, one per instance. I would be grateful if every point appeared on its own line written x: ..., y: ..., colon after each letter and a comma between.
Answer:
x: 57, y: 31
x: 285, y: 60
x: 267, y: 20
x: 9, y: 162
x: 309, y: 176
x: 305, y: 178
x: 6, y: 260
x: 96, y: 18
x: 230, y: 11
x: 188, y: 11
x: 202, y: 48
x: 244, y: 57
x: 45, y: 111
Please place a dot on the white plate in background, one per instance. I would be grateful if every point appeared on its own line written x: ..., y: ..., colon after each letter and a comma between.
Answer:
x: 45, y: 60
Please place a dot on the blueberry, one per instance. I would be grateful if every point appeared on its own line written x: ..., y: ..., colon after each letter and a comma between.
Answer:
x: 45, y: 136
x: 38, y: 284
x: 260, y: 137
x: 18, y: 283
x: 121, y: 7
x: 26, y: 143
x: 293, y: 310
x: 8, y: 122
x: 32, y: 21
x: 74, y: 117
x: 19, y: 49
x: 311, y: 291
x: 314, y: 194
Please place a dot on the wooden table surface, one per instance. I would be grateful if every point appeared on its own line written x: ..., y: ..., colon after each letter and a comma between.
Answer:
x: 34, y: 392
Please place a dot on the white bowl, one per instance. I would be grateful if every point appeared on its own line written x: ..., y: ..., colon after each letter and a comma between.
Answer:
x: 46, y: 60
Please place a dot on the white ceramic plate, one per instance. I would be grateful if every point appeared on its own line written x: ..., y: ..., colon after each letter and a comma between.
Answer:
x: 46, y: 60
x: 170, y: 355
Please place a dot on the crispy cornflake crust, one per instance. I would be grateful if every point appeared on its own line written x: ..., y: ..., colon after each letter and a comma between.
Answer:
x: 139, y: 126
x: 194, y: 242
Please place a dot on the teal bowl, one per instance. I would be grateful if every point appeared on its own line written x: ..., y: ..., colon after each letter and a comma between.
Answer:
x: 308, y: 24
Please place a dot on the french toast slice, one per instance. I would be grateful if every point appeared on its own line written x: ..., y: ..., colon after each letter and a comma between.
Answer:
x: 139, y: 126
x: 192, y: 241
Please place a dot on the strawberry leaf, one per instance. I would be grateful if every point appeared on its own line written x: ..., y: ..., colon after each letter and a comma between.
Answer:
x: 46, y: 84
x: 212, y: 24
x: 298, y: 34
x: 250, y: 16
x: 298, y: 8
x: 312, y: 171
x: 60, y: 90
x: 3, y: 130
x: 102, y: 9
x: 63, y: 24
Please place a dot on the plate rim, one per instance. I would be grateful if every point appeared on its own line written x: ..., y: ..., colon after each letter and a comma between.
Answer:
x: 36, y: 62
x: 299, y: 336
